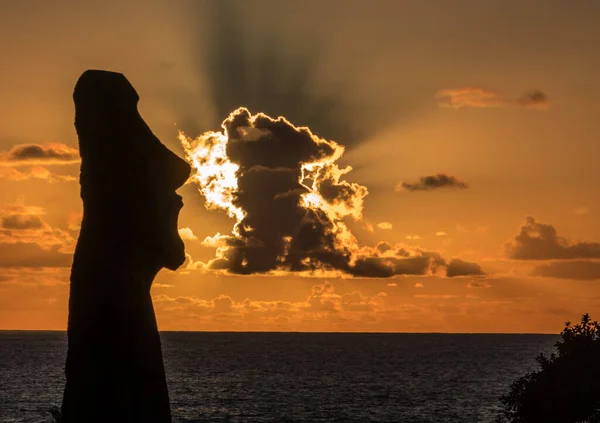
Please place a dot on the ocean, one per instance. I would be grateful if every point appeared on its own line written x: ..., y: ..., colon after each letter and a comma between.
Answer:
x: 296, y: 377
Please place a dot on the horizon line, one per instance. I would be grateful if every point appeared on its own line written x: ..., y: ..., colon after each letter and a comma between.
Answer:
x: 310, y: 332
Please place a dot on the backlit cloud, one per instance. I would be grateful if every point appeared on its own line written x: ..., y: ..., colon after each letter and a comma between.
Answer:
x: 39, y: 154
x: 432, y: 182
x: 290, y: 203
x: 385, y: 225
x: 187, y: 235
x: 478, y: 97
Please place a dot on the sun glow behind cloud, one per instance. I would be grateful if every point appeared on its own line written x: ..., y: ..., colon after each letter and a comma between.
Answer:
x: 291, y: 205
x: 214, y: 173
x: 217, y: 179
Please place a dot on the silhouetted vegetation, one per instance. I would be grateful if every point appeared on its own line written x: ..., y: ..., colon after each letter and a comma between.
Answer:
x: 566, y: 388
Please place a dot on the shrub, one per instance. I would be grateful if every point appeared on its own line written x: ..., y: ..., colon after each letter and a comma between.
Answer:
x: 566, y: 388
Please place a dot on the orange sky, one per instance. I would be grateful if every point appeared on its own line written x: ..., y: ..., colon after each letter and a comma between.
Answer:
x: 502, y: 96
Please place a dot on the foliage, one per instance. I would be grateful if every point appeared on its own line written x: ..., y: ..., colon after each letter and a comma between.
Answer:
x: 566, y: 388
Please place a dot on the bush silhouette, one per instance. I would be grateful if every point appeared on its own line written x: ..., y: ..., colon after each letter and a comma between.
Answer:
x: 566, y: 388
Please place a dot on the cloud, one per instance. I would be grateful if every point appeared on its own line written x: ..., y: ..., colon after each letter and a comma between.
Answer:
x: 26, y: 240
x: 441, y: 233
x: 458, y: 267
x: 34, y: 173
x: 39, y: 154
x: 538, y: 241
x: 401, y: 260
x: 428, y: 183
x: 413, y: 237
x: 323, y: 300
x: 187, y: 235
x: 290, y: 203
x: 576, y: 269
x: 478, y: 97
x: 19, y: 222
x: 74, y: 221
x: 478, y: 284
x: 21, y: 276
x: 536, y: 99
x: 384, y: 225
x: 581, y: 211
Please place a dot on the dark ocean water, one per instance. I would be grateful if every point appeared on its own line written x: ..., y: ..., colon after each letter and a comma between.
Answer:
x: 296, y: 377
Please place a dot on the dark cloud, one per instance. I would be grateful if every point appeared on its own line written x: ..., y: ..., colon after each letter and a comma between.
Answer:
x: 249, y: 65
x: 576, y: 269
x: 424, y: 263
x: 22, y: 222
x: 539, y: 241
x: 48, y: 154
x: 458, y: 267
x: 437, y: 181
x: 534, y: 99
x: 292, y: 204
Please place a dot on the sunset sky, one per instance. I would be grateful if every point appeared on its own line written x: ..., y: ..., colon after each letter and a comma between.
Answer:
x: 474, y: 126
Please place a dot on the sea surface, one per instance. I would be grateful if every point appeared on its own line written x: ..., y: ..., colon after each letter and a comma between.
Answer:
x: 296, y: 377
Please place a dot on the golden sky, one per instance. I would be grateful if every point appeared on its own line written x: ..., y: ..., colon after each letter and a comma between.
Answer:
x: 473, y: 125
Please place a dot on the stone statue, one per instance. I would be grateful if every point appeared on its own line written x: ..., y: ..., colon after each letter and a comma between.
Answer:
x: 114, y: 368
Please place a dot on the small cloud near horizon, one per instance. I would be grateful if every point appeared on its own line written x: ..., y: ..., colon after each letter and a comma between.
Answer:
x: 478, y: 97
